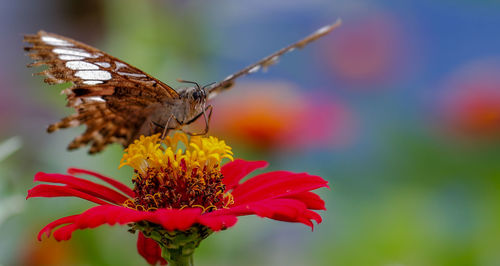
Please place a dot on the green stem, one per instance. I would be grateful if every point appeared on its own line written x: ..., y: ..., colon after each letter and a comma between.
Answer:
x: 176, y: 257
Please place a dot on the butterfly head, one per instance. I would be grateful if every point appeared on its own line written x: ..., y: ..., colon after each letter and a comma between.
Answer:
x: 199, y: 94
x: 196, y: 94
x: 193, y: 101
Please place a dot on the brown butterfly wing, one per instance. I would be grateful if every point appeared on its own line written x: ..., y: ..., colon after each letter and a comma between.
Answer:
x: 111, y: 97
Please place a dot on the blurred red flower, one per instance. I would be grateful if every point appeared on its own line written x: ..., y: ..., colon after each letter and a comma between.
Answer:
x: 276, y: 116
x: 471, y: 104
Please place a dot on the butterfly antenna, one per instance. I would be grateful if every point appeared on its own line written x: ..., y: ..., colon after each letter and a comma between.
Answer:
x: 207, y: 86
x: 210, y: 84
x: 202, y: 90
x: 190, y: 82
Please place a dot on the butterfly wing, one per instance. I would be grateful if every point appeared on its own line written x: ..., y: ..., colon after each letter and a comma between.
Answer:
x: 264, y: 63
x: 111, y: 97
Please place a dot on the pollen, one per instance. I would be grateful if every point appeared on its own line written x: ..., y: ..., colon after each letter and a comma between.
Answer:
x: 178, y: 172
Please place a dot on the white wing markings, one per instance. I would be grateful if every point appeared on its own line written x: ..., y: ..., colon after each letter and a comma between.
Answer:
x: 322, y: 30
x: 80, y: 65
x: 76, y: 52
x: 93, y: 74
x: 92, y: 82
x: 131, y: 74
x: 103, y: 64
x: 95, y: 99
x: 70, y: 57
x: 119, y: 65
x: 254, y: 69
x: 55, y: 41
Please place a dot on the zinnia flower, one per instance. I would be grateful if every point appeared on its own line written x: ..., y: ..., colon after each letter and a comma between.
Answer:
x: 181, y: 195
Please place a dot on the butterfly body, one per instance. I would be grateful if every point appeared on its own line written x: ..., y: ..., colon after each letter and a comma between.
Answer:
x: 118, y: 102
x: 173, y: 113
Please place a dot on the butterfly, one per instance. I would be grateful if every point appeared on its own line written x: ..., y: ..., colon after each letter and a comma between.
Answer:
x: 118, y: 102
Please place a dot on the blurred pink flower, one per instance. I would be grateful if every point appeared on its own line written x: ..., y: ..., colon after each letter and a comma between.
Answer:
x: 274, y: 115
x: 471, y: 104
x: 369, y: 52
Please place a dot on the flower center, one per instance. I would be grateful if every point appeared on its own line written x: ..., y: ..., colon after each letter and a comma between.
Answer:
x: 167, y: 177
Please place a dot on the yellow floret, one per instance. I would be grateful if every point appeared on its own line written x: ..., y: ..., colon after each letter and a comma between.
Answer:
x: 202, y: 153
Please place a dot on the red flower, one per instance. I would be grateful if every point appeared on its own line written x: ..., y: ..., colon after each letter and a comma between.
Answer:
x: 279, y: 195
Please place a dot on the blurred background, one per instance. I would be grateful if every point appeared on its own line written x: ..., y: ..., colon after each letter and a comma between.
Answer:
x: 399, y: 109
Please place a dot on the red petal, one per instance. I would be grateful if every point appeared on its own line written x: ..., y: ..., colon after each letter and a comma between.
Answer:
x: 236, y: 170
x: 276, y: 184
x: 174, y: 219
x: 91, y: 218
x: 149, y: 250
x: 217, y: 222
x: 313, y: 201
x: 50, y: 191
x: 83, y: 185
x: 48, y: 228
x: 288, y: 210
x: 64, y: 232
x: 306, y: 222
x: 278, y: 208
x: 110, y: 214
x: 308, y: 216
x: 107, y: 214
x: 313, y: 216
x: 120, y: 186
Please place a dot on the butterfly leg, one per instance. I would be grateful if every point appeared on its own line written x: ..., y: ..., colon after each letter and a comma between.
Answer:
x: 166, y: 128
x: 207, y: 121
